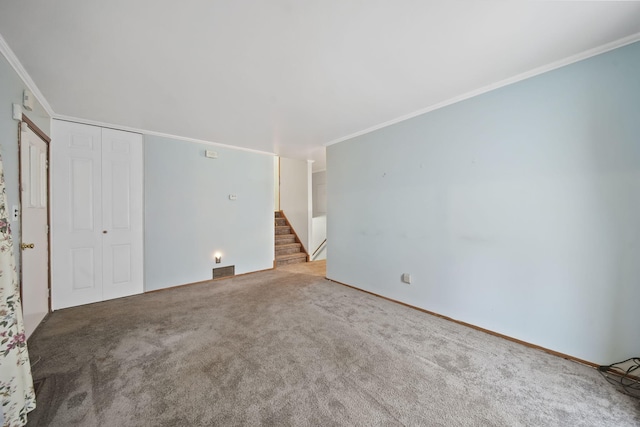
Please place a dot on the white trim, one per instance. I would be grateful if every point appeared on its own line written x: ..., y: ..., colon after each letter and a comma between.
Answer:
x: 523, y: 76
x: 153, y: 133
x: 22, y: 73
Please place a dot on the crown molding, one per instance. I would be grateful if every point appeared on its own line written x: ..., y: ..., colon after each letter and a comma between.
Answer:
x: 26, y: 78
x: 154, y: 133
x: 523, y: 76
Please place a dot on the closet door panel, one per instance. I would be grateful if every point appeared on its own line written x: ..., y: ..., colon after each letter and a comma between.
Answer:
x: 76, y: 216
x: 122, y: 200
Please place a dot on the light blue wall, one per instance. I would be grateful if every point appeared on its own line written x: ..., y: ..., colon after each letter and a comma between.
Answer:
x: 188, y: 214
x: 11, y: 90
x: 517, y: 210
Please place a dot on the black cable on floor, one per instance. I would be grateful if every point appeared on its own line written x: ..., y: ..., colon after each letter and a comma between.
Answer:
x: 624, y: 378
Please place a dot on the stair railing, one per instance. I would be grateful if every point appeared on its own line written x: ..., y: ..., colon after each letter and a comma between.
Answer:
x: 313, y: 255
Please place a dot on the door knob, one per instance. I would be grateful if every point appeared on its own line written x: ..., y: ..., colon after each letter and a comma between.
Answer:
x: 27, y: 246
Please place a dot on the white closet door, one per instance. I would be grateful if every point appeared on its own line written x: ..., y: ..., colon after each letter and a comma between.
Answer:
x: 96, y: 208
x: 122, y: 213
x: 76, y: 214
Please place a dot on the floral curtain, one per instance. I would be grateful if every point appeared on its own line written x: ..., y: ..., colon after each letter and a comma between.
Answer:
x: 17, y: 396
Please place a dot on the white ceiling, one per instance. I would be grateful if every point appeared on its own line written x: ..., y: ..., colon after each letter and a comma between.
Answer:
x: 287, y: 76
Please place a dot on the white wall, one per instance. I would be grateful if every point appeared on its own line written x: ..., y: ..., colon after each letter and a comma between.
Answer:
x: 318, y: 234
x: 276, y: 183
x: 516, y: 211
x: 295, y: 196
x: 319, y: 222
x: 189, y: 217
x: 319, y: 185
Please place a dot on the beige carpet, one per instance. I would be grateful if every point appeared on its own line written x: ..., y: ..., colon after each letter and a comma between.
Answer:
x: 284, y: 348
x: 314, y: 268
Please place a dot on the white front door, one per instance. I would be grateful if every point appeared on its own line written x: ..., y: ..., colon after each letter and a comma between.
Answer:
x: 34, y: 229
x: 96, y: 214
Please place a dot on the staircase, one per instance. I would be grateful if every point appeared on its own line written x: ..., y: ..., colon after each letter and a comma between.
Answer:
x: 289, y: 250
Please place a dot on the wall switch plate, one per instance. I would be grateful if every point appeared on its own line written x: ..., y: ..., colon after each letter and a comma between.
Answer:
x: 211, y: 154
x: 233, y: 197
x: 406, y: 278
x: 15, y: 213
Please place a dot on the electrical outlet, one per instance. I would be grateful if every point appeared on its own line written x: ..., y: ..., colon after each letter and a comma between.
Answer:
x: 406, y: 278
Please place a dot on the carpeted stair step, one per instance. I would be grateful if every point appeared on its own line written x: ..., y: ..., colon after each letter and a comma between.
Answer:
x: 283, y: 229
x: 289, y: 248
x: 291, y: 259
x: 284, y: 239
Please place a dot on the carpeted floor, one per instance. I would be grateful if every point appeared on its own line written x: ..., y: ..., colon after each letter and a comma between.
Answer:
x: 284, y: 348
